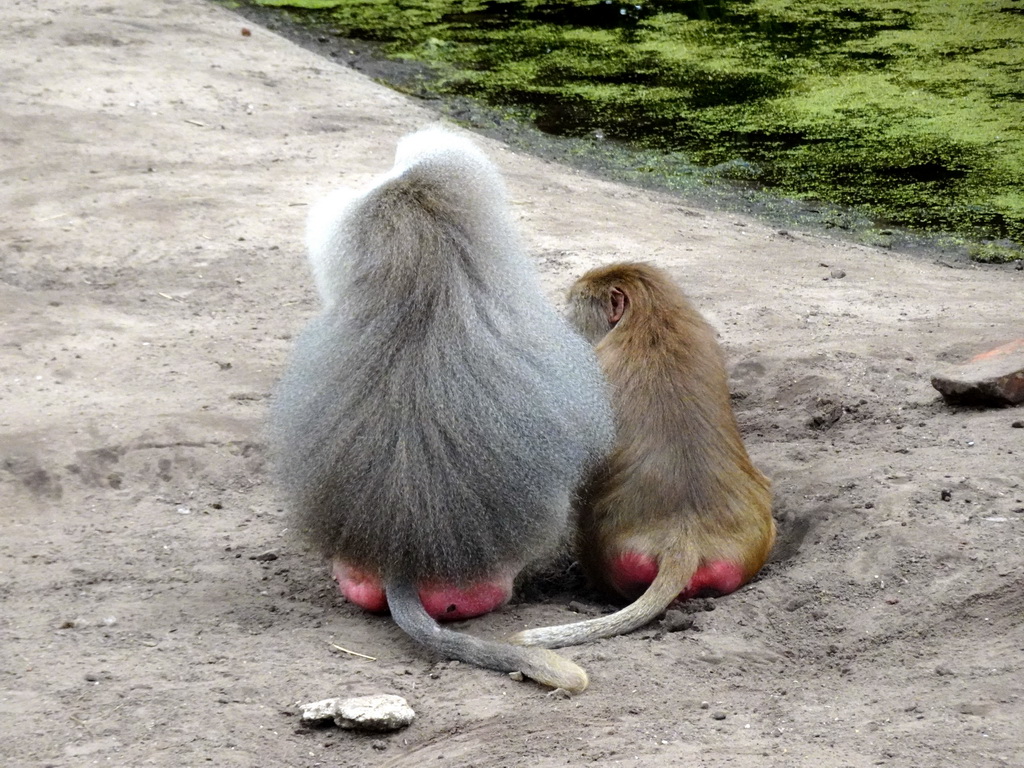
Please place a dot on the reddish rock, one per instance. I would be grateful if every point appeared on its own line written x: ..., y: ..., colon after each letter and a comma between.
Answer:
x: 995, y: 377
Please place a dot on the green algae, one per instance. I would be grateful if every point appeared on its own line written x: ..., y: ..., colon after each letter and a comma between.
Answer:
x: 911, y: 112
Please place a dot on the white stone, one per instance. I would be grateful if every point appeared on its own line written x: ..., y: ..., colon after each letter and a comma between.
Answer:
x: 320, y: 712
x: 385, y: 712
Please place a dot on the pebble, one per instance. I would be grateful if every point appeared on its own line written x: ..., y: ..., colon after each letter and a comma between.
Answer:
x: 676, y: 621
x: 320, y: 712
x: 588, y: 610
x: 383, y: 712
x: 995, y: 377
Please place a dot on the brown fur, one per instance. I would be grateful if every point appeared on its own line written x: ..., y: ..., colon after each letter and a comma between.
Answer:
x: 679, y: 485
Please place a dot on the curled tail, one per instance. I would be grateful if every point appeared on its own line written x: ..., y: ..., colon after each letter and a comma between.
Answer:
x: 536, y: 663
x: 672, y: 578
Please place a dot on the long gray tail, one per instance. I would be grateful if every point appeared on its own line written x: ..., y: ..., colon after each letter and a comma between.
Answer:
x: 538, y: 664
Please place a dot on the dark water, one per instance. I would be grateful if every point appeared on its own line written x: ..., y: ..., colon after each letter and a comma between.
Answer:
x: 910, y: 113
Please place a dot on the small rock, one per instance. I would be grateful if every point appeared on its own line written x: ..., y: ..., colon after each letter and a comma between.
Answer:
x: 585, y: 608
x: 825, y: 413
x: 978, y: 710
x: 1018, y: 425
x: 320, y: 712
x: 796, y: 603
x: 946, y: 495
x: 838, y: 274
x: 676, y: 621
x: 943, y: 671
x: 517, y: 676
x: 265, y: 557
x: 718, y: 715
x: 379, y: 745
x: 995, y: 377
x: 385, y: 712
x: 559, y: 693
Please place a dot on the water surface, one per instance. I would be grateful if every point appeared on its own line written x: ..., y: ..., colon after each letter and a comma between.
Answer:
x: 911, y: 112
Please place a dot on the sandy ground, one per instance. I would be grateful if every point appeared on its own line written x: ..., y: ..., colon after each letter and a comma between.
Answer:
x: 157, y: 612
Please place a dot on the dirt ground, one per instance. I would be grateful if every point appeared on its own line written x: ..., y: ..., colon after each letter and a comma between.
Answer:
x: 156, y: 610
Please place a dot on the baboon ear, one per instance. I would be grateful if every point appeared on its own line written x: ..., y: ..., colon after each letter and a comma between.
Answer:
x: 618, y: 303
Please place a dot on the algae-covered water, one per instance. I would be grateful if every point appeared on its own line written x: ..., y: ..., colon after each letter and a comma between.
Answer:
x: 912, y: 111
